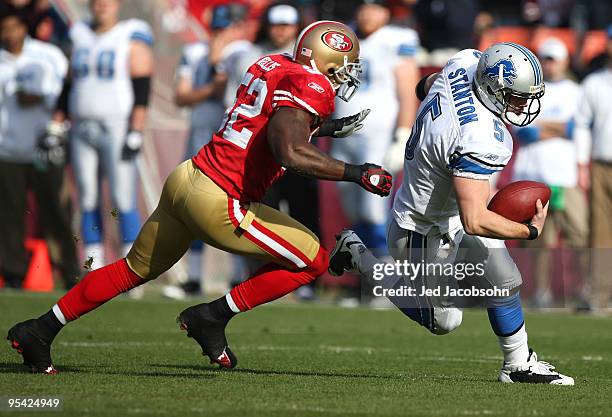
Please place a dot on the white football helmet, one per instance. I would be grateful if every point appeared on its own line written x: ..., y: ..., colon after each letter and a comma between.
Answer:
x: 509, y: 82
x: 331, y: 48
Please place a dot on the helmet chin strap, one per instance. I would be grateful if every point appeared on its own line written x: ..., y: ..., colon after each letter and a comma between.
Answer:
x: 477, y: 92
x: 314, y: 65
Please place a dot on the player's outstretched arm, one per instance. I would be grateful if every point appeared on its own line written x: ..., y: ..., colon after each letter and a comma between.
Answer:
x: 288, y: 135
x: 343, y: 127
x: 477, y: 219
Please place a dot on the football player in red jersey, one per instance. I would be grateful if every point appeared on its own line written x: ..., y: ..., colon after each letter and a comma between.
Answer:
x: 280, y: 104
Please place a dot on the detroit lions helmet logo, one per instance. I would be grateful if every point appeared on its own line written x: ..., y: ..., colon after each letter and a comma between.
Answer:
x: 505, y: 68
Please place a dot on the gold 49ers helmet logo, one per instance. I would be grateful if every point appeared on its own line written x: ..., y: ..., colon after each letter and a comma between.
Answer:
x: 337, y: 41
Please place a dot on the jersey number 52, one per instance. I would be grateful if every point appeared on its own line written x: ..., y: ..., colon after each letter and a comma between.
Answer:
x: 235, y: 117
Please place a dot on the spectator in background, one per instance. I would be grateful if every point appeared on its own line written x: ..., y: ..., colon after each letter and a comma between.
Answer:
x: 387, y: 88
x: 277, y: 34
x: 201, y: 87
x: 108, y: 90
x: 551, y: 13
x: 593, y: 137
x: 32, y: 154
x: 597, y: 13
x: 235, y: 46
x: 44, y: 21
x: 548, y: 155
x: 445, y: 27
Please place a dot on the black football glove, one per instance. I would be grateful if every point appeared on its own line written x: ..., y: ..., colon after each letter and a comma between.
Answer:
x: 51, y: 147
x: 371, y: 177
x: 132, y: 145
x: 341, y: 128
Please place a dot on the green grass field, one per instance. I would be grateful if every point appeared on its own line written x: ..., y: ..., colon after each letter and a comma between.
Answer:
x: 129, y: 358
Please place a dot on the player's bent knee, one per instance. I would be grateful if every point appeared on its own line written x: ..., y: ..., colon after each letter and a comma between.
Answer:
x: 446, y: 320
x: 143, y: 269
x: 317, y: 266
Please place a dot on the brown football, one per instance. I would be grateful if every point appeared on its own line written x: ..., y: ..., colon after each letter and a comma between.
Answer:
x: 517, y: 201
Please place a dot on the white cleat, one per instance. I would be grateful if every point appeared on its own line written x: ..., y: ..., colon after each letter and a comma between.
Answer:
x: 533, y: 372
x: 346, y: 254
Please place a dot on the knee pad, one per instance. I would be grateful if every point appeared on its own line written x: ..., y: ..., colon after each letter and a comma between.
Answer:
x: 91, y: 226
x: 446, y: 320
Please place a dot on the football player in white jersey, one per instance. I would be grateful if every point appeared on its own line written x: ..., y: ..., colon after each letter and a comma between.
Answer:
x: 387, y: 85
x: 32, y: 150
x: 549, y: 156
x: 106, y: 100
x: 440, y: 214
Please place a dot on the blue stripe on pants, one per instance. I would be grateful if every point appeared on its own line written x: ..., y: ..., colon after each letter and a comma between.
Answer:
x: 417, y: 253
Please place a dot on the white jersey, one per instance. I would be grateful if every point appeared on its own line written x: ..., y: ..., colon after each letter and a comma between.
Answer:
x: 194, y: 66
x: 380, y: 53
x: 593, y: 131
x: 552, y: 161
x: 240, y: 62
x: 454, y: 135
x: 40, y: 70
x: 230, y: 65
x: 101, y: 81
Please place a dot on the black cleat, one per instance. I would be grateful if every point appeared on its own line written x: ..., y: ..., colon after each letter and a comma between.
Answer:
x: 209, y: 332
x: 25, y: 338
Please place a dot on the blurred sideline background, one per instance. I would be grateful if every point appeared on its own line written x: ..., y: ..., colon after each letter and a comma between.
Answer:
x: 177, y: 22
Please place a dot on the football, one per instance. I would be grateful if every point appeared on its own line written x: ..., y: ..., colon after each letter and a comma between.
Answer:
x: 517, y: 201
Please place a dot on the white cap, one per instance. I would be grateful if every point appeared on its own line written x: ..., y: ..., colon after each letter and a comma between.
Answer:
x: 553, y: 48
x: 283, y: 14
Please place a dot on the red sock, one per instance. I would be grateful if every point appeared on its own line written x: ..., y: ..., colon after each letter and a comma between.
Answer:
x: 98, y: 287
x: 273, y: 281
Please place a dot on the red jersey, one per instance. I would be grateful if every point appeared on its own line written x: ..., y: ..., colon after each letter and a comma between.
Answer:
x: 238, y: 158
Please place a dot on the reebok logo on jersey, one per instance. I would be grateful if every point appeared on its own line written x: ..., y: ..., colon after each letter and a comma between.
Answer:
x: 337, y: 41
x: 316, y: 87
x: 491, y: 157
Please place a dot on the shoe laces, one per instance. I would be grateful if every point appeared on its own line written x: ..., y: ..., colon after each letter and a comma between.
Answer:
x: 540, y: 367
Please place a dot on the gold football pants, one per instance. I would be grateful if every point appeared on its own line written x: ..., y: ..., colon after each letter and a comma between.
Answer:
x: 193, y: 207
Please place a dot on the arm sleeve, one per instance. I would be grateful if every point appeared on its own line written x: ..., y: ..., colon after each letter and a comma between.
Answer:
x: 582, y: 127
x: 407, y: 43
x: 57, y: 79
x: 477, y: 160
x: 141, y: 32
x: 313, y: 94
x: 184, y: 69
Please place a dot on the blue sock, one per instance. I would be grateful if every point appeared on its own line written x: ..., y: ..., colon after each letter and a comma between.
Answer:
x: 129, y: 224
x: 506, y: 315
x: 91, y: 226
x: 418, y: 308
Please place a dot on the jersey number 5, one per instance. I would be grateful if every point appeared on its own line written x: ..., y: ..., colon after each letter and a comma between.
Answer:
x: 431, y: 107
x: 231, y: 125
